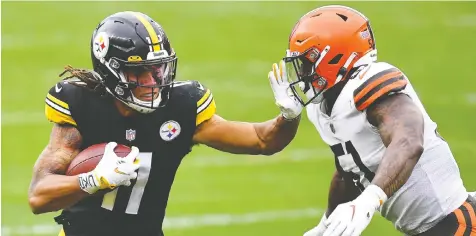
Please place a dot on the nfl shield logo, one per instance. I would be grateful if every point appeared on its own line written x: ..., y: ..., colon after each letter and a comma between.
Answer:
x: 130, y: 134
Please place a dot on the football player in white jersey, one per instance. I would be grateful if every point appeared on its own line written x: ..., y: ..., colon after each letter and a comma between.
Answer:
x: 384, y: 142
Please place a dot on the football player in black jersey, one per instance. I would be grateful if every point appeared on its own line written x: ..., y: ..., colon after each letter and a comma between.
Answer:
x: 131, y: 98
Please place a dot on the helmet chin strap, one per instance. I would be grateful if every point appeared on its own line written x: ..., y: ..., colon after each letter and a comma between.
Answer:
x: 345, y: 67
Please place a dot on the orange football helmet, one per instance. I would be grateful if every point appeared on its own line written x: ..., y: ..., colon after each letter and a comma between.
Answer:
x: 324, y: 45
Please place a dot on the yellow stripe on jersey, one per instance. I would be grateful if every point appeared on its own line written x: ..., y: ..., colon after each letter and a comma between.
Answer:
x: 206, y: 113
x: 58, y: 117
x: 204, y: 98
x: 61, y: 233
x: 150, y: 29
x: 57, y: 101
x: 205, y: 107
x: 58, y: 111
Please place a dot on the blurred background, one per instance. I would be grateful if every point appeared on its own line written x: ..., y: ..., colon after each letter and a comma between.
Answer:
x: 230, y: 47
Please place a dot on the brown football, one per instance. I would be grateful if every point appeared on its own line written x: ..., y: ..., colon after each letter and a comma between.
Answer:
x: 88, y: 159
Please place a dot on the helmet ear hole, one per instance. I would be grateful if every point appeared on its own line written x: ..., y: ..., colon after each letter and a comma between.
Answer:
x: 336, y: 59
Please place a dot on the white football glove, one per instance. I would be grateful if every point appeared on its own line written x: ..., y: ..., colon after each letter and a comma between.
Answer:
x: 290, y: 107
x: 319, y: 229
x: 111, y: 171
x: 351, y: 218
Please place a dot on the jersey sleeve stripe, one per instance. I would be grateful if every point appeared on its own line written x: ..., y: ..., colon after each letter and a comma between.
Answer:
x: 394, y: 85
x: 206, y: 113
x: 57, y: 107
x: 204, y: 98
x: 374, y: 81
x: 205, y: 104
x: 375, y: 89
x: 57, y: 101
x: 56, y: 116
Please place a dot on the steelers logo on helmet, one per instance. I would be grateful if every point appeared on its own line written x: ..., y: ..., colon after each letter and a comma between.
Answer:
x: 169, y: 130
x: 100, y: 45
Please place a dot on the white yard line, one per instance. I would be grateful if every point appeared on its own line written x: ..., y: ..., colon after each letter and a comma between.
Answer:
x: 23, y: 118
x: 471, y: 98
x: 188, y: 221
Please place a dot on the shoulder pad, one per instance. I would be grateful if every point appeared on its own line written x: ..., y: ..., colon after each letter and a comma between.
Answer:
x: 201, y: 95
x: 58, y: 103
x: 376, y: 81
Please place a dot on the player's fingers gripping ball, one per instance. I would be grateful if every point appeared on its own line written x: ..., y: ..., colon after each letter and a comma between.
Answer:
x: 105, y: 166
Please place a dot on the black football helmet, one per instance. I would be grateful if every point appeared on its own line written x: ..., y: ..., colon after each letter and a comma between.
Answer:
x: 133, y: 42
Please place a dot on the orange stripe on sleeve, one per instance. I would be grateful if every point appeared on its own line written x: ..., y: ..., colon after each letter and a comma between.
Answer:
x: 379, y: 93
x: 375, y: 83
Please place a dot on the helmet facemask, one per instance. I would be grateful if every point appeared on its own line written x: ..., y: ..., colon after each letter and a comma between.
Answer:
x: 162, y: 68
x: 304, y: 82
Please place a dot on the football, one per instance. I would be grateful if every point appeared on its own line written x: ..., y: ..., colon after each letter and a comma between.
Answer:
x: 88, y: 159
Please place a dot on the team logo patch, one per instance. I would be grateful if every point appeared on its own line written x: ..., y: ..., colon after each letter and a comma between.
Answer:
x: 169, y: 130
x: 100, y: 45
x: 130, y: 134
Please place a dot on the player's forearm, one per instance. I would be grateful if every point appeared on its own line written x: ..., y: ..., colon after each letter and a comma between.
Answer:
x: 55, y: 192
x: 276, y: 134
x: 401, y: 127
x: 340, y: 191
x: 397, y: 164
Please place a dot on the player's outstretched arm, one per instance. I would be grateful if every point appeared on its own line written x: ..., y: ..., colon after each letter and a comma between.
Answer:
x: 50, y: 189
x: 256, y: 138
x: 400, y: 124
x: 236, y: 137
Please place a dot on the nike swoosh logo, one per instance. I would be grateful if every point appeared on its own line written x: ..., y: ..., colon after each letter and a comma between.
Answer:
x: 58, y: 89
x: 365, y: 72
x: 201, y: 87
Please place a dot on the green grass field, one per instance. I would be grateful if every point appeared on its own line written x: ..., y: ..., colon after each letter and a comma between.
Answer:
x: 230, y: 47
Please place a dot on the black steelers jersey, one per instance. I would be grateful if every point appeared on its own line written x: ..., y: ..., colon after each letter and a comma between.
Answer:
x: 163, y: 137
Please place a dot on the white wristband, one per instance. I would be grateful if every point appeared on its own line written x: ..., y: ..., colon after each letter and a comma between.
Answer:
x: 88, y: 182
x: 377, y: 193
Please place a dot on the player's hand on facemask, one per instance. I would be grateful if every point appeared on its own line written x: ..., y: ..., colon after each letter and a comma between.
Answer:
x: 290, y: 107
x: 112, y: 171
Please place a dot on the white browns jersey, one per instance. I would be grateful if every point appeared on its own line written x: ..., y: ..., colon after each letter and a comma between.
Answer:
x: 434, y: 188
